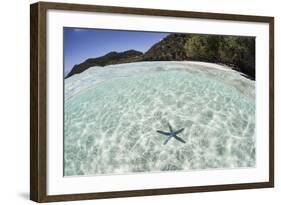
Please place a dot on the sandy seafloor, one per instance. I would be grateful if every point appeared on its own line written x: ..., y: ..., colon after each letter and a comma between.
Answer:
x: 111, y: 115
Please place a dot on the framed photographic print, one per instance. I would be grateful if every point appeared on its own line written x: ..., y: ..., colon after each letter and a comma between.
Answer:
x: 134, y: 102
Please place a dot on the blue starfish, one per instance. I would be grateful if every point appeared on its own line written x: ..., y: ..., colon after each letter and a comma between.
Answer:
x: 171, y: 134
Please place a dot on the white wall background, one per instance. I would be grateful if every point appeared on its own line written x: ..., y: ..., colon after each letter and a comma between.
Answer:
x: 14, y: 101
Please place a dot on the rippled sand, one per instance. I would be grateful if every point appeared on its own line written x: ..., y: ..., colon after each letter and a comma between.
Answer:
x: 111, y: 115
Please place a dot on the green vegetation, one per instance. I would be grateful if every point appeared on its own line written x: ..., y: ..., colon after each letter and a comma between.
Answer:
x: 239, y: 52
x: 203, y: 47
x: 170, y: 48
x: 235, y: 51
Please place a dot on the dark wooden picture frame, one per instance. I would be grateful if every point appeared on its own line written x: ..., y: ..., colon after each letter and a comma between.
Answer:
x: 38, y: 101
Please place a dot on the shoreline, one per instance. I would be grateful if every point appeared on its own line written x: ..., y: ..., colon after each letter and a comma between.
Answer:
x: 219, y: 66
x: 206, y: 65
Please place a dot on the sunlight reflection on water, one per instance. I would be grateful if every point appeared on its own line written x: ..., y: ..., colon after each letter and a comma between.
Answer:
x: 112, y: 114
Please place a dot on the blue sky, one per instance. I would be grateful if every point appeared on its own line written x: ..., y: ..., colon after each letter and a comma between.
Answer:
x: 81, y: 44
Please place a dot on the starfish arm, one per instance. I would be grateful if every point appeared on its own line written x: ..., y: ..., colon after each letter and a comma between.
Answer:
x: 179, y: 131
x: 163, y: 133
x: 179, y: 139
x: 170, y: 127
x: 167, y: 140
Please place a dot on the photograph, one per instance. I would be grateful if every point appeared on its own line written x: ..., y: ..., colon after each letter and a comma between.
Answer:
x: 142, y: 102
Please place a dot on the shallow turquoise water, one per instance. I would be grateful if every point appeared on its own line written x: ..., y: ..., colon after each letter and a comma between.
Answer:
x: 111, y: 115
